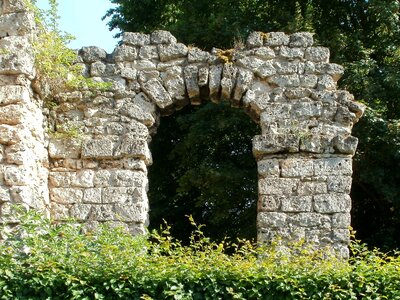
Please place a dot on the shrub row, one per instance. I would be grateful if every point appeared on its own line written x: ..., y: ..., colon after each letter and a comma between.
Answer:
x: 41, y: 260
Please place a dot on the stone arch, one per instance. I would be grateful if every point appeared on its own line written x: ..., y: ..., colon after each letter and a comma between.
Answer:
x: 284, y: 82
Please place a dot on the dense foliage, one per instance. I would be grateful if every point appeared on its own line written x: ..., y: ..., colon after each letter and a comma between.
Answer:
x: 203, y: 166
x: 363, y: 35
x: 40, y: 260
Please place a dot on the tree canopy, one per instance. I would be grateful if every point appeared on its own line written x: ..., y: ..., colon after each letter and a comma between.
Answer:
x: 363, y: 35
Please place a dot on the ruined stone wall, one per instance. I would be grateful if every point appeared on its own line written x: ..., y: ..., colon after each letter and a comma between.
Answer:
x: 23, y: 156
x: 284, y: 82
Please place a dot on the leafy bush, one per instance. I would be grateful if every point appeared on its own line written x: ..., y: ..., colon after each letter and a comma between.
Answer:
x: 41, y: 260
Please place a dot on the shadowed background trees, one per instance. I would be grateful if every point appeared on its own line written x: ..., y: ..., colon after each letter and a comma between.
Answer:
x: 363, y: 35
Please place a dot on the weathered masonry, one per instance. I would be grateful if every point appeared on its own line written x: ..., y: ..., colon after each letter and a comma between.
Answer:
x: 284, y: 83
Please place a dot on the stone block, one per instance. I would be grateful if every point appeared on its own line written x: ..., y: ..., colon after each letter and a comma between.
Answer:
x: 191, y: 81
x: 286, y: 67
x: 281, y: 236
x: 128, y: 178
x: 277, y: 186
x: 255, y: 39
x: 140, y: 65
x: 12, y: 6
x: 285, y: 80
x: 135, y: 38
x: 269, y: 203
x: 61, y: 179
x: 60, y: 211
x: 291, y: 53
x: 97, y: 69
x: 172, y: 51
x: 313, y: 143
x: 301, y: 39
x: 102, y: 178
x: 145, y: 75
x: 268, y: 167
x: 156, y: 91
x: 133, y: 146
x: 18, y: 58
x: 317, y: 54
x: 203, y: 77
x: 8, y: 135
x: 66, y: 195
x: 64, y: 148
x: 326, y: 82
x: 81, y: 212
x: 92, y: 54
x: 16, y: 176
x: 83, y: 178
x: 260, y: 67
x: 103, y: 213
x: 196, y: 55
x: 13, y: 94
x: 125, y: 53
x: 132, y: 213
x: 19, y: 154
x: 162, y: 37
x: 265, y: 53
x: 272, y: 219
x: 296, y: 204
x: 341, y: 236
x: 12, y: 114
x: 123, y: 195
x: 276, y: 111
x: 92, y: 196
x: 318, y: 237
x: 228, y: 80
x: 308, y: 81
x: 149, y: 52
x: 332, y: 203
x: 98, y: 149
x: 308, y: 188
x: 214, y: 82
x: 134, y: 164
x: 339, y: 184
x: 297, y: 167
x: 25, y: 195
x: 137, y: 112
x: 173, y: 81
x: 275, y: 39
x: 256, y: 102
x: 275, y: 143
x: 14, y: 24
x: 129, y: 73
x: 345, y: 145
x: 311, y: 220
x: 333, y: 166
x: 5, y: 194
x: 341, y: 220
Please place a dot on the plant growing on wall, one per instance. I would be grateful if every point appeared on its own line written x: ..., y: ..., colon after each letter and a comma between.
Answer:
x: 56, y: 64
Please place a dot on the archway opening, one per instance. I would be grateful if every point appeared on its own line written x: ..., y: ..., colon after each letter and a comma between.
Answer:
x: 203, y: 166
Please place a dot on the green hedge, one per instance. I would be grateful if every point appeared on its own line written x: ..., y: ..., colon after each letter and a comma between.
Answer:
x: 40, y: 260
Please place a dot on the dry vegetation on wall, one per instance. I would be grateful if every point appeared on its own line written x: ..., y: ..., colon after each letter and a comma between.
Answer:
x: 40, y: 260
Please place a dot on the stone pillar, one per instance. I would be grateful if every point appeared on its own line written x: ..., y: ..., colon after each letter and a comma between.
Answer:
x: 23, y: 157
x: 99, y: 151
x: 305, y: 198
x: 305, y: 166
